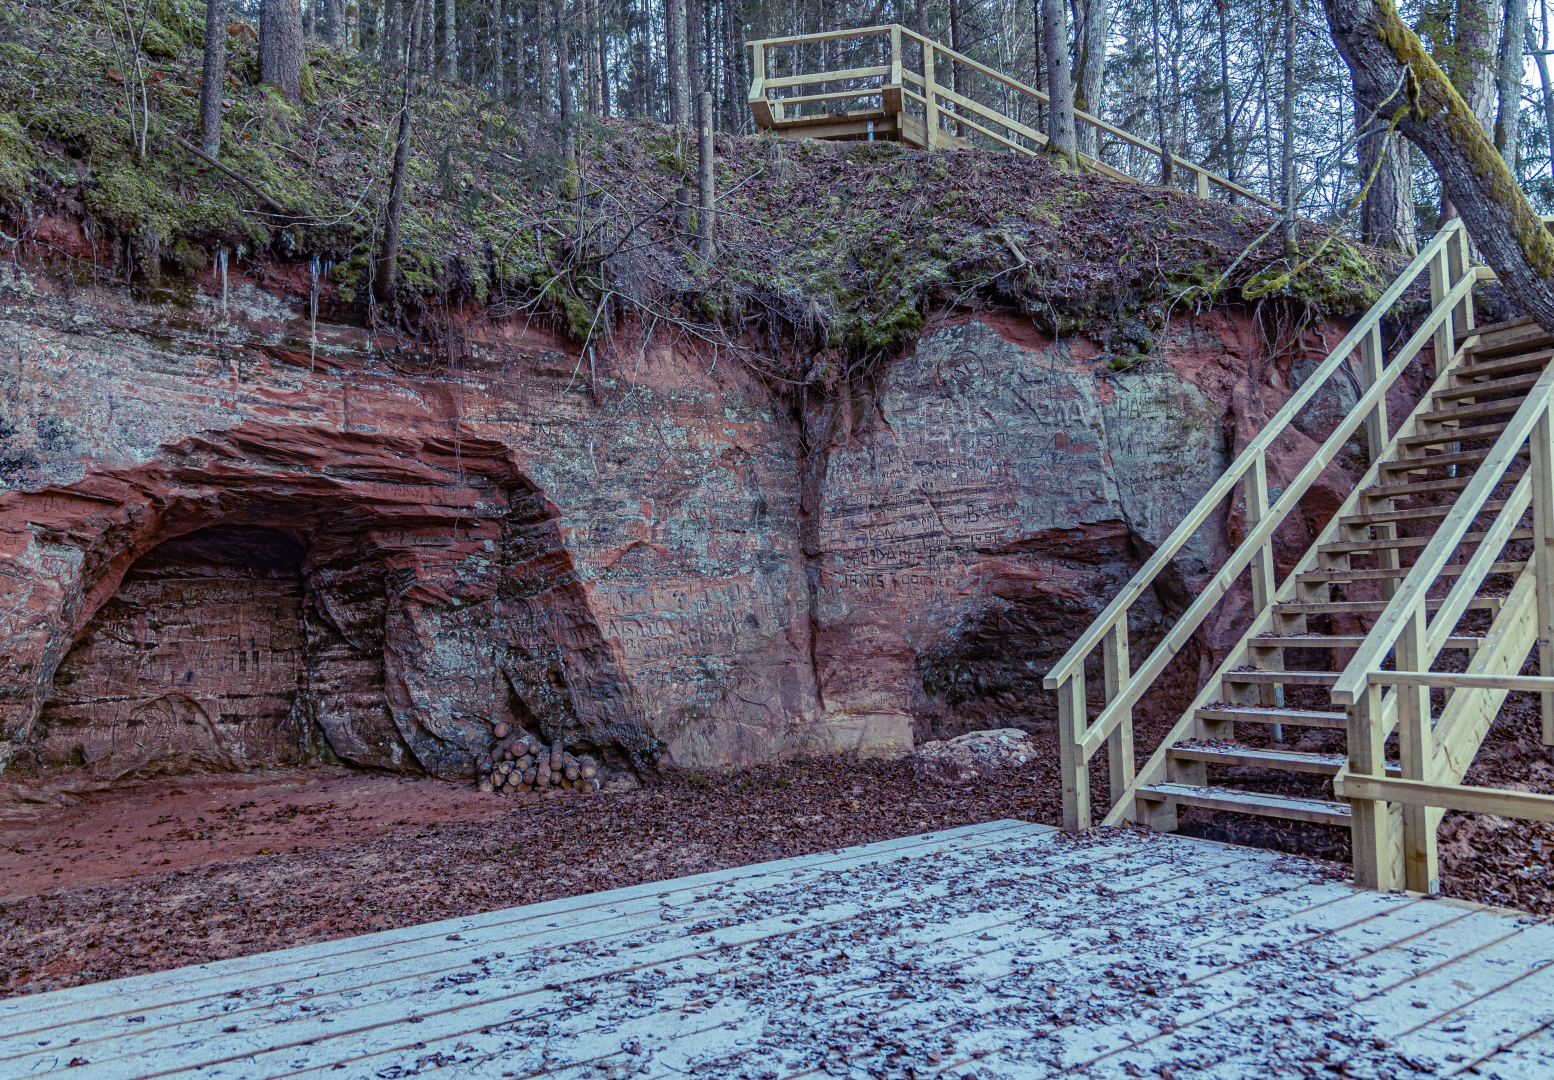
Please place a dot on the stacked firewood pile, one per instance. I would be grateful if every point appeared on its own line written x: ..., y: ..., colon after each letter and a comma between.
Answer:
x: 520, y: 762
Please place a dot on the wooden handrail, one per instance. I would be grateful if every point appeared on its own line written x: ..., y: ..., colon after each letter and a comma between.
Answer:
x: 1475, y: 800
x: 830, y: 76
x: 1222, y: 488
x: 1414, y: 589
x: 829, y: 35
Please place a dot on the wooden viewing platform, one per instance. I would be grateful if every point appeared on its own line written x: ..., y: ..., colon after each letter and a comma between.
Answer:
x: 1007, y: 947
x: 914, y: 107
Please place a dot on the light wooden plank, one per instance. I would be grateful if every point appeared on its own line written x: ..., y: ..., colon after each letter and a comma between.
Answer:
x: 1476, y: 800
x: 842, y: 75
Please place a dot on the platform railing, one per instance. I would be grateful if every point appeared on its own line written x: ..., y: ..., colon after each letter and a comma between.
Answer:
x: 939, y: 103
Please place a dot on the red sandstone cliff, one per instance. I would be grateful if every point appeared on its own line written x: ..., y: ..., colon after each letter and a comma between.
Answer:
x: 217, y: 549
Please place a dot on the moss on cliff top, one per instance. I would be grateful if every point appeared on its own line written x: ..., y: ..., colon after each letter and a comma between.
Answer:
x: 847, y: 245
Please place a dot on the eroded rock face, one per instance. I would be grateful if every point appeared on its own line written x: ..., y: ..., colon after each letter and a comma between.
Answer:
x: 642, y: 554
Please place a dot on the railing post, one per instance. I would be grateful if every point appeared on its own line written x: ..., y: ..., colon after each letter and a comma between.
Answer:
x: 1416, y: 748
x: 1459, y: 260
x: 1543, y: 558
x: 1202, y: 176
x: 1445, y: 339
x: 1370, y: 826
x: 1256, y: 487
x: 1119, y: 744
x: 1373, y: 360
x: 930, y: 106
x: 1264, y: 586
x: 1072, y: 721
x: 890, y: 94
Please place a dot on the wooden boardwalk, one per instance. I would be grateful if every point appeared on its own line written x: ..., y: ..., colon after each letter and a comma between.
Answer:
x: 1003, y: 950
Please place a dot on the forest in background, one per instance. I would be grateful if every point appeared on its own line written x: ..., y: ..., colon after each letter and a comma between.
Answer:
x: 1208, y: 79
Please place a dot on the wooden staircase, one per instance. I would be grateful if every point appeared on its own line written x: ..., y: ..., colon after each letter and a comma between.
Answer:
x: 1414, y: 489
x: 1441, y: 554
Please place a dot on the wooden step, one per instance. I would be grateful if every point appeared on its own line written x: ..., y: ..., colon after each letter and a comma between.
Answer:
x: 1340, y: 641
x: 1317, y: 577
x: 1515, y: 383
x: 1522, y: 362
x: 1290, y: 807
x: 1267, y: 714
x: 1471, y: 434
x: 1470, y: 412
x: 1224, y: 753
x: 1488, y: 330
x: 1431, y: 487
x: 1283, y: 678
x: 1376, y: 607
x: 1416, y: 513
x: 1438, y: 461
x: 1360, y: 547
x: 1507, y: 340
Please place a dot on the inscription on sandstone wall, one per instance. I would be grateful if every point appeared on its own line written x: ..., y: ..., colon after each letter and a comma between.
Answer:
x: 999, y: 482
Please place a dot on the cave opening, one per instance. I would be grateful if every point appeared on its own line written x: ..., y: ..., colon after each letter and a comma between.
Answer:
x: 196, y: 662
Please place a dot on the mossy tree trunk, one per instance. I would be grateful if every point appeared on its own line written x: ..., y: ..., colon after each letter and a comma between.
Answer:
x: 280, y: 46
x: 213, y: 78
x: 1395, y: 76
x: 1060, y: 86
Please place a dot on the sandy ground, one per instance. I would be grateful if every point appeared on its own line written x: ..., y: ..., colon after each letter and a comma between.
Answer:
x: 184, y: 871
x: 144, y: 876
x: 168, y: 825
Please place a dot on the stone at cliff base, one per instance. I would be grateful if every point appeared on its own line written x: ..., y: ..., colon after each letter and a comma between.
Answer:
x: 977, y: 755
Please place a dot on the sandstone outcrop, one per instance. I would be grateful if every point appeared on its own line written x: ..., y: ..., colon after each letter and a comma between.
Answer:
x: 224, y: 544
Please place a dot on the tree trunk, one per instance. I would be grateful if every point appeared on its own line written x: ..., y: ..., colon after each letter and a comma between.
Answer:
x: 498, y: 65
x: 705, y: 211
x: 542, y: 57
x: 213, y: 78
x: 1059, y: 86
x: 388, y: 256
x: 693, y: 55
x: 957, y: 75
x: 1381, y: 52
x: 280, y: 46
x: 367, y: 27
x: 1092, y: 32
x: 564, y: 85
x: 679, y: 77
x: 603, y: 64
x: 1473, y: 64
x: 1387, y: 213
x: 392, y: 50
x: 1287, y: 119
x: 1510, y: 80
x: 1229, y: 146
x: 1543, y: 80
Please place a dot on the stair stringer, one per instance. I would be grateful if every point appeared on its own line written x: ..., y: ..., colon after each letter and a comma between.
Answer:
x: 1154, y: 770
